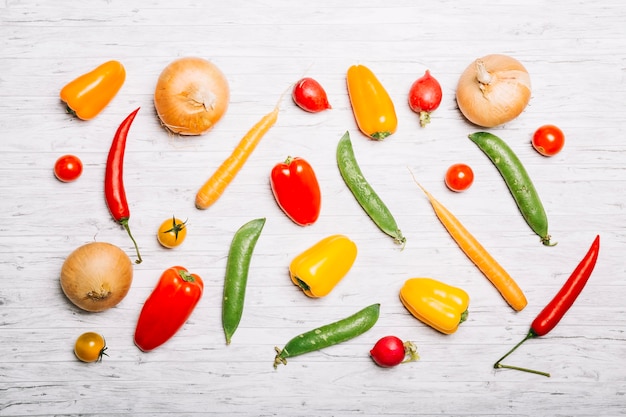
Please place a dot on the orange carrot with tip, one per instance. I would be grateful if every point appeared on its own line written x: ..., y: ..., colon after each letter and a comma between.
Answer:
x: 494, y: 272
x: 214, y: 187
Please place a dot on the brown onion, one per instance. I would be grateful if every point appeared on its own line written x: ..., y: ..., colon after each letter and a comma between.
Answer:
x: 96, y: 276
x: 191, y: 96
x: 493, y: 90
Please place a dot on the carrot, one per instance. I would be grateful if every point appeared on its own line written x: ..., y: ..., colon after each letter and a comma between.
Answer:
x: 225, y: 173
x: 494, y: 272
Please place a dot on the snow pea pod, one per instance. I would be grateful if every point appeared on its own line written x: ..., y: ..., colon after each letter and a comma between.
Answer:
x: 237, y: 267
x: 517, y: 180
x: 329, y: 334
x: 363, y: 191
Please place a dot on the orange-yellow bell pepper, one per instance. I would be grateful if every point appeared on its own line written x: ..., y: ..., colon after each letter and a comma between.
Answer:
x: 373, y: 109
x: 439, y: 305
x: 318, y: 269
x: 89, y: 94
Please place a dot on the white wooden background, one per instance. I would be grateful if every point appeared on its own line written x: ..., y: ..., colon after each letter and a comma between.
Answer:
x: 576, y: 55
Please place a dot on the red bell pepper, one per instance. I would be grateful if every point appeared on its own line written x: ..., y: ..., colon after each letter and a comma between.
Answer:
x: 168, y: 307
x: 296, y: 190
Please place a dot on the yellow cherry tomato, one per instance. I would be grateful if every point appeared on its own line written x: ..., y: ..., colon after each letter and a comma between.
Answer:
x: 172, y: 232
x: 90, y: 347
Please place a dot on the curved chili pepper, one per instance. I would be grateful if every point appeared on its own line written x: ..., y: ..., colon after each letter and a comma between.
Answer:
x: 87, y: 95
x: 114, y: 191
x: 552, y: 313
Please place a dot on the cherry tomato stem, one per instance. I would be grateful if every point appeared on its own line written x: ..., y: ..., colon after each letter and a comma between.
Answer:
x: 172, y: 232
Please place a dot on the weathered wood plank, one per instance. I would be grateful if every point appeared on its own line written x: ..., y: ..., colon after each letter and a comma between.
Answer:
x: 576, y: 55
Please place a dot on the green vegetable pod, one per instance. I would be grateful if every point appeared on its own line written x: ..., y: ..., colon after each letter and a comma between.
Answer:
x: 364, y: 193
x: 236, y: 279
x: 517, y: 180
x: 329, y: 334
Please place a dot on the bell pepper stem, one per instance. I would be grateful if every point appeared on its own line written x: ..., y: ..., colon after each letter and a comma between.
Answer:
x: 499, y: 365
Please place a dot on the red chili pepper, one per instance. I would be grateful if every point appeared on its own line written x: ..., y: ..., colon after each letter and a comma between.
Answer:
x: 114, y: 191
x: 168, y: 307
x: 552, y: 313
x: 296, y: 190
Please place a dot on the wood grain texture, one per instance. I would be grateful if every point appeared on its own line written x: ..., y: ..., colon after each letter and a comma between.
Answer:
x: 576, y: 56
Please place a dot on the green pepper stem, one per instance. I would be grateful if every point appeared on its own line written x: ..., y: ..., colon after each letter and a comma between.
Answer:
x: 517, y: 368
x: 279, y: 359
x: 186, y: 276
x: 124, y: 223
x: 498, y: 365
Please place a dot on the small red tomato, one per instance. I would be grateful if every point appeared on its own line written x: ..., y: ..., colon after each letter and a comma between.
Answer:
x: 310, y: 96
x: 459, y: 177
x: 390, y: 351
x: 548, y: 140
x: 296, y: 190
x: 425, y: 96
x: 68, y: 168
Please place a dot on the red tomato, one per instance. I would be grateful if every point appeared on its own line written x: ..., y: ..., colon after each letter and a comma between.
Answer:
x: 459, y: 177
x: 548, y: 140
x: 296, y: 190
x: 309, y: 95
x: 68, y: 168
x: 390, y: 351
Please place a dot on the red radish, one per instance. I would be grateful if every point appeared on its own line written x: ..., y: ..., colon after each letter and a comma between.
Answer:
x: 391, y: 351
x: 425, y: 97
x: 310, y: 96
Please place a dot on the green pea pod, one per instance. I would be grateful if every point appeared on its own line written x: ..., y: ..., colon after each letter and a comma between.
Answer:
x: 363, y: 191
x: 329, y: 334
x: 237, y: 267
x: 518, y: 181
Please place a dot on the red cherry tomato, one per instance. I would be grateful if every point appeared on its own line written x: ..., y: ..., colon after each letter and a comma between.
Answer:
x: 68, y: 168
x: 390, y: 351
x: 548, y: 140
x: 459, y: 177
x: 310, y: 96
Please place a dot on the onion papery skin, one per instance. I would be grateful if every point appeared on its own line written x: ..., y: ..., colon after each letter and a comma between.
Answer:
x: 96, y: 276
x: 500, y: 100
x: 191, y: 96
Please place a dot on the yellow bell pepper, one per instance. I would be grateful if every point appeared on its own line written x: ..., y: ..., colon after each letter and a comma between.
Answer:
x: 318, y: 269
x: 372, y: 106
x: 439, y: 305
x: 90, y: 93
